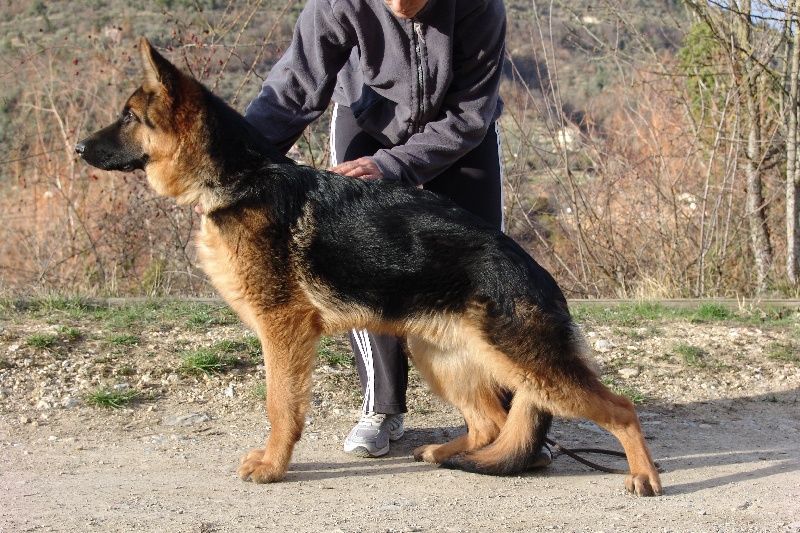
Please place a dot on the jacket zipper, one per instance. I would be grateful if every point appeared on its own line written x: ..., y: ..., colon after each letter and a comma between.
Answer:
x: 417, y: 38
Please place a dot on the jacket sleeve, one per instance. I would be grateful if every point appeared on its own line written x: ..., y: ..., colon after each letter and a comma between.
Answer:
x: 470, y: 105
x: 299, y: 87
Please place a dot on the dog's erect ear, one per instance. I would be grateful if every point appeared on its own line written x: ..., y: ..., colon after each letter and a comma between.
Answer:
x: 157, y: 70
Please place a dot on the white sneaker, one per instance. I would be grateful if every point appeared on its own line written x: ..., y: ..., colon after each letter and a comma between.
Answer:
x: 371, y: 436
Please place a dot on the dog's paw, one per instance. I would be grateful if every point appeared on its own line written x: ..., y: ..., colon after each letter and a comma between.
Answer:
x: 252, y: 455
x: 427, y: 453
x: 255, y: 467
x: 259, y: 471
x: 643, y: 485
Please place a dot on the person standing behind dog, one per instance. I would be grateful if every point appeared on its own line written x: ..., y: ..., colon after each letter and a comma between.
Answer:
x: 415, y: 86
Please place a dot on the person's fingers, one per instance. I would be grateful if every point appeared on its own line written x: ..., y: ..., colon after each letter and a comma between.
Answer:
x: 358, y: 168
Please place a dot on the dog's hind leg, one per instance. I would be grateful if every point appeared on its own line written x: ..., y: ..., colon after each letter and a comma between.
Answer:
x: 581, y: 394
x: 289, y: 344
x: 454, y: 376
x: 616, y: 414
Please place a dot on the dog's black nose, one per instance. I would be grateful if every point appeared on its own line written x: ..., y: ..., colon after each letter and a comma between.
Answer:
x: 80, y: 148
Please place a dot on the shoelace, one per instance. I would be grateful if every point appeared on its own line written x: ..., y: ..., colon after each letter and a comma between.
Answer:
x: 373, y: 419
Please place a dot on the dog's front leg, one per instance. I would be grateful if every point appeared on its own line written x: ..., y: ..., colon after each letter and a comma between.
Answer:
x: 289, y: 362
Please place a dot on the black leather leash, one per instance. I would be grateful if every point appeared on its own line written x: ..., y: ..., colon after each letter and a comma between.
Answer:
x: 574, y: 454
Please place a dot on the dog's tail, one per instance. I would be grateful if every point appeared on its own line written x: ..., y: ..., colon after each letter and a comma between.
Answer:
x: 536, y: 398
x: 510, y: 454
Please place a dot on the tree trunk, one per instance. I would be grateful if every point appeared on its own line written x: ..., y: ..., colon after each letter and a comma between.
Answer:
x: 759, y: 233
x: 756, y: 209
x: 792, y: 147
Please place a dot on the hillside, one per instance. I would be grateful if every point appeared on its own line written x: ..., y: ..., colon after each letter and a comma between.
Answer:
x: 541, y: 41
x: 624, y: 159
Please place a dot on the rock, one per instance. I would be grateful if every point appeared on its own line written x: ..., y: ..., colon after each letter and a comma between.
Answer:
x: 190, y: 419
x: 399, y: 504
x: 390, y: 507
x: 69, y: 403
x: 603, y: 345
x: 628, y: 373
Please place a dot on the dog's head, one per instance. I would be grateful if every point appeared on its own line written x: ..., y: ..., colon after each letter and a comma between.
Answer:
x: 159, y: 131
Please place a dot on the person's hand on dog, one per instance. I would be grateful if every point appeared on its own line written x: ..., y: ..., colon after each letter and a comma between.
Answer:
x: 362, y: 167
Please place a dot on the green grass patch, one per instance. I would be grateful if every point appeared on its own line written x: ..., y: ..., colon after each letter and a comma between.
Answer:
x: 42, y: 341
x: 634, y: 313
x: 634, y: 395
x: 203, y: 316
x: 248, y: 349
x: 690, y: 355
x: 260, y: 391
x: 141, y: 315
x: 123, y: 339
x: 631, y: 393
x: 126, y: 371
x: 332, y: 354
x: 200, y: 318
x: 228, y: 346
x: 166, y: 314
x: 782, y: 352
x: 650, y: 311
x: 110, y: 398
x: 624, y: 314
x: 254, y: 347
x: 205, y: 362
x: 210, y: 361
x: 47, y: 305
x: 637, y: 334
x: 70, y: 332
x: 712, y: 312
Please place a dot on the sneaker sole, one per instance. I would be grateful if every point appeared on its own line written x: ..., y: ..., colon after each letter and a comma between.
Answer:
x: 361, y: 451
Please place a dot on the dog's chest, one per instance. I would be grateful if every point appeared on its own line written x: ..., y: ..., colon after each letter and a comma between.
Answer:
x: 218, y: 260
x: 238, y: 263
x: 242, y: 260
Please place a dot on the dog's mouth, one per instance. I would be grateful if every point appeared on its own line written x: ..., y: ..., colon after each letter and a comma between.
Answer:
x: 122, y: 166
x: 139, y: 164
x: 105, y: 159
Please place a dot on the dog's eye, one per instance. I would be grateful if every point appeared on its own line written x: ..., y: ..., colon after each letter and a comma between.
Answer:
x: 129, y: 117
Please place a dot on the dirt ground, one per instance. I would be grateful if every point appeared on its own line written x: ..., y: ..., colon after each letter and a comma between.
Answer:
x: 724, y: 426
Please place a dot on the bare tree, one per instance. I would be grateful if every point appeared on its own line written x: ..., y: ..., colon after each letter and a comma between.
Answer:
x: 752, y: 73
x: 790, y: 110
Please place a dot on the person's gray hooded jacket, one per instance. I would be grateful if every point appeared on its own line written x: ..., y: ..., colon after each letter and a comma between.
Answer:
x: 427, y: 86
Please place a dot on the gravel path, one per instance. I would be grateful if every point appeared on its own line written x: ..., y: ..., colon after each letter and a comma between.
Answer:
x: 722, y: 418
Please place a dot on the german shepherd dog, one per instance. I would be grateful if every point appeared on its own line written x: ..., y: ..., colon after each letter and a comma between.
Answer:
x: 299, y: 252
